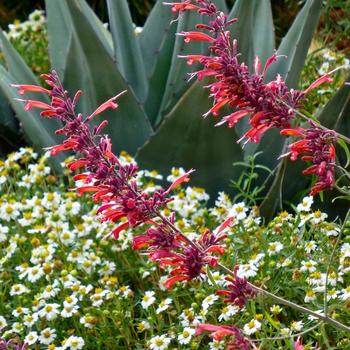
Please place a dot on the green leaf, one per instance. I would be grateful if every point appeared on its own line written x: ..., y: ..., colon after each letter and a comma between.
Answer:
x: 126, y: 48
x: 157, y: 41
x: 335, y: 113
x: 9, y: 128
x: 288, y: 184
x: 59, y: 33
x: 295, y: 44
x: 209, y: 150
x: 21, y: 74
x: 59, y: 24
x: 345, y: 147
x: 177, y: 82
x: 158, y: 27
x: 91, y: 68
x: 263, y: 30
x: 254, y: 30
x: 32, y: 124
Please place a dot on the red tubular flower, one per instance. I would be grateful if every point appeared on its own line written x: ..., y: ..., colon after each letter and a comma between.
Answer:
x: 189, y: 260
x: 316, y: 146
x: 234, y: 85
x: 104, y: 175
x: 196, y: 36
x: 177, y: 182
x: 219, y: 332
x: 238, y: 291
x: 22, y: 89
x: 181, y: 6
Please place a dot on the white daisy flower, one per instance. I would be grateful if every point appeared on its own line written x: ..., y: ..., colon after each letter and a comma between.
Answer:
x: 3, y: 322
x: 164, y: 305
x: 159, y: 342
x: 305, y: 204
x: 296, y: 326
x: 148, y: 299
x: 49, y: 311
x: 18, y: 289
x: 308, y: 266
x: 251, y: 327
x: 30, y: 319
x: 274, y: 248
x: 186, y: 335
x: 35, y: 273
x: 47, y: 336
x: 345, y: 293
x: 74, y: 343
x: 238, y: 211
x: 227, y: 312
x: 208, y: 301
x: 31, y: 338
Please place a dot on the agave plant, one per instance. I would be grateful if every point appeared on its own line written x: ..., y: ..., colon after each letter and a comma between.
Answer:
x: 159, y: 118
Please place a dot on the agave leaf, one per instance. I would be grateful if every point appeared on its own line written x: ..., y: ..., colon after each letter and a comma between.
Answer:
x: 335, y: 114
x: 126, y: 48
x: 9, y: 128
x: 211, y: 151
x: 90, y: 67
x: 59, y: 33
x: 263, y: 30
x: 21, y: 73
x: 295, y: 44
x: 7, y: 118
x: 157, y: 44
x: 177, y: 81
x: 31, y: 121
x: 59, y: 24
x: 154, y: 33
x: 288, y: 179
x: 253, y: 30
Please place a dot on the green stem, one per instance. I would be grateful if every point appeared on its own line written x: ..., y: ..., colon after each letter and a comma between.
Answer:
x: 304, y: 117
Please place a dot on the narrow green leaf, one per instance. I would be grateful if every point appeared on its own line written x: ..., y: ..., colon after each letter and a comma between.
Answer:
x: 92, y: 69
x: 253, y: 30
x: 21, y: 74
x: 59, y: 24
x: 211, y: 151
x: 126, y: 48
x: 7, y: 119
x: 158, y: 27
x: 59, y: 32
x: 345, y: 147
x: 177, y: 82
x: 295, y: 44
x: 157, y: 41
x: 288, y: 184
x: 32, y: 124
x: 335, y: 113
x: 263, y: 30
x: 273, y: 198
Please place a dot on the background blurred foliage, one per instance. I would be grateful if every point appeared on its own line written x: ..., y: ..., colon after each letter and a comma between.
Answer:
x: 334, y: 27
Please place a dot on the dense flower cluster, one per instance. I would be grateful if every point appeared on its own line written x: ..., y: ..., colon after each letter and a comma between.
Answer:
x: 30, y: 39
x: 64, y: 287
x: 268, y: 105
x: 238, y: 291
x: 113, y: 183
x: 316, y: 146
x: 234, y: 85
